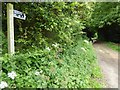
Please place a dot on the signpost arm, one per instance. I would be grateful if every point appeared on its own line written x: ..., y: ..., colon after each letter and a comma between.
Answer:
x: 10, y: 28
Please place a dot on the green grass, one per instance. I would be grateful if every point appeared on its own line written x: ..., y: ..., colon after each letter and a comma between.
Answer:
x: 113, y: 46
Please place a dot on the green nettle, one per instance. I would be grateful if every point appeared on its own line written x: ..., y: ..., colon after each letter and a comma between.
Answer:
x: 53, y: 67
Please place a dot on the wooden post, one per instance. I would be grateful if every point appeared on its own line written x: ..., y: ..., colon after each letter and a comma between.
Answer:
x: 10, y: 28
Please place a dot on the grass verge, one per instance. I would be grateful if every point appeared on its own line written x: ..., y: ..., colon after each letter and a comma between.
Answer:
x: 113, y: 46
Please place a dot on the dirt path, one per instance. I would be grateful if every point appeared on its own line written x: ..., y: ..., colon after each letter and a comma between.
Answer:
x: 108, y: 61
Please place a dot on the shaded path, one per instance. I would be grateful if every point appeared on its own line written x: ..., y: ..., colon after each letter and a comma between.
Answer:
x: 108, y: 61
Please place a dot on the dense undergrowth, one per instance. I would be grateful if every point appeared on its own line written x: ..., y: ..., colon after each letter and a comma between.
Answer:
x: 54, y: 67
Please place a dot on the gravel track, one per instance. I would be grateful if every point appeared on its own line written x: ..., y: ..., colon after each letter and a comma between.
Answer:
x: 108, y: 61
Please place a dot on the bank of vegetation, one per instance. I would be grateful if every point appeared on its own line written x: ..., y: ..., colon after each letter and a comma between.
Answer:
x: 51, y: 48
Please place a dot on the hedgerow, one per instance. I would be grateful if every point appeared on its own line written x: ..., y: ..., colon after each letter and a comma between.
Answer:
x: 46, y: 23
x: 56, y: 67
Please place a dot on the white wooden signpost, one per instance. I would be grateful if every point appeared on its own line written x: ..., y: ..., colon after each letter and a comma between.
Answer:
x: 10, y: 26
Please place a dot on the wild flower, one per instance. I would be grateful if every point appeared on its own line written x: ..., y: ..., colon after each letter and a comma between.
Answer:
x: 3, y: 84
x: 82, y: 32
x: 0, y: 71
x: 55, y: 45
x: 37, y: 73
x: 41, y: 71
x: 12, y: 75
x: 86, y: 41
x: 48, y: 48
x: 83, y: 49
